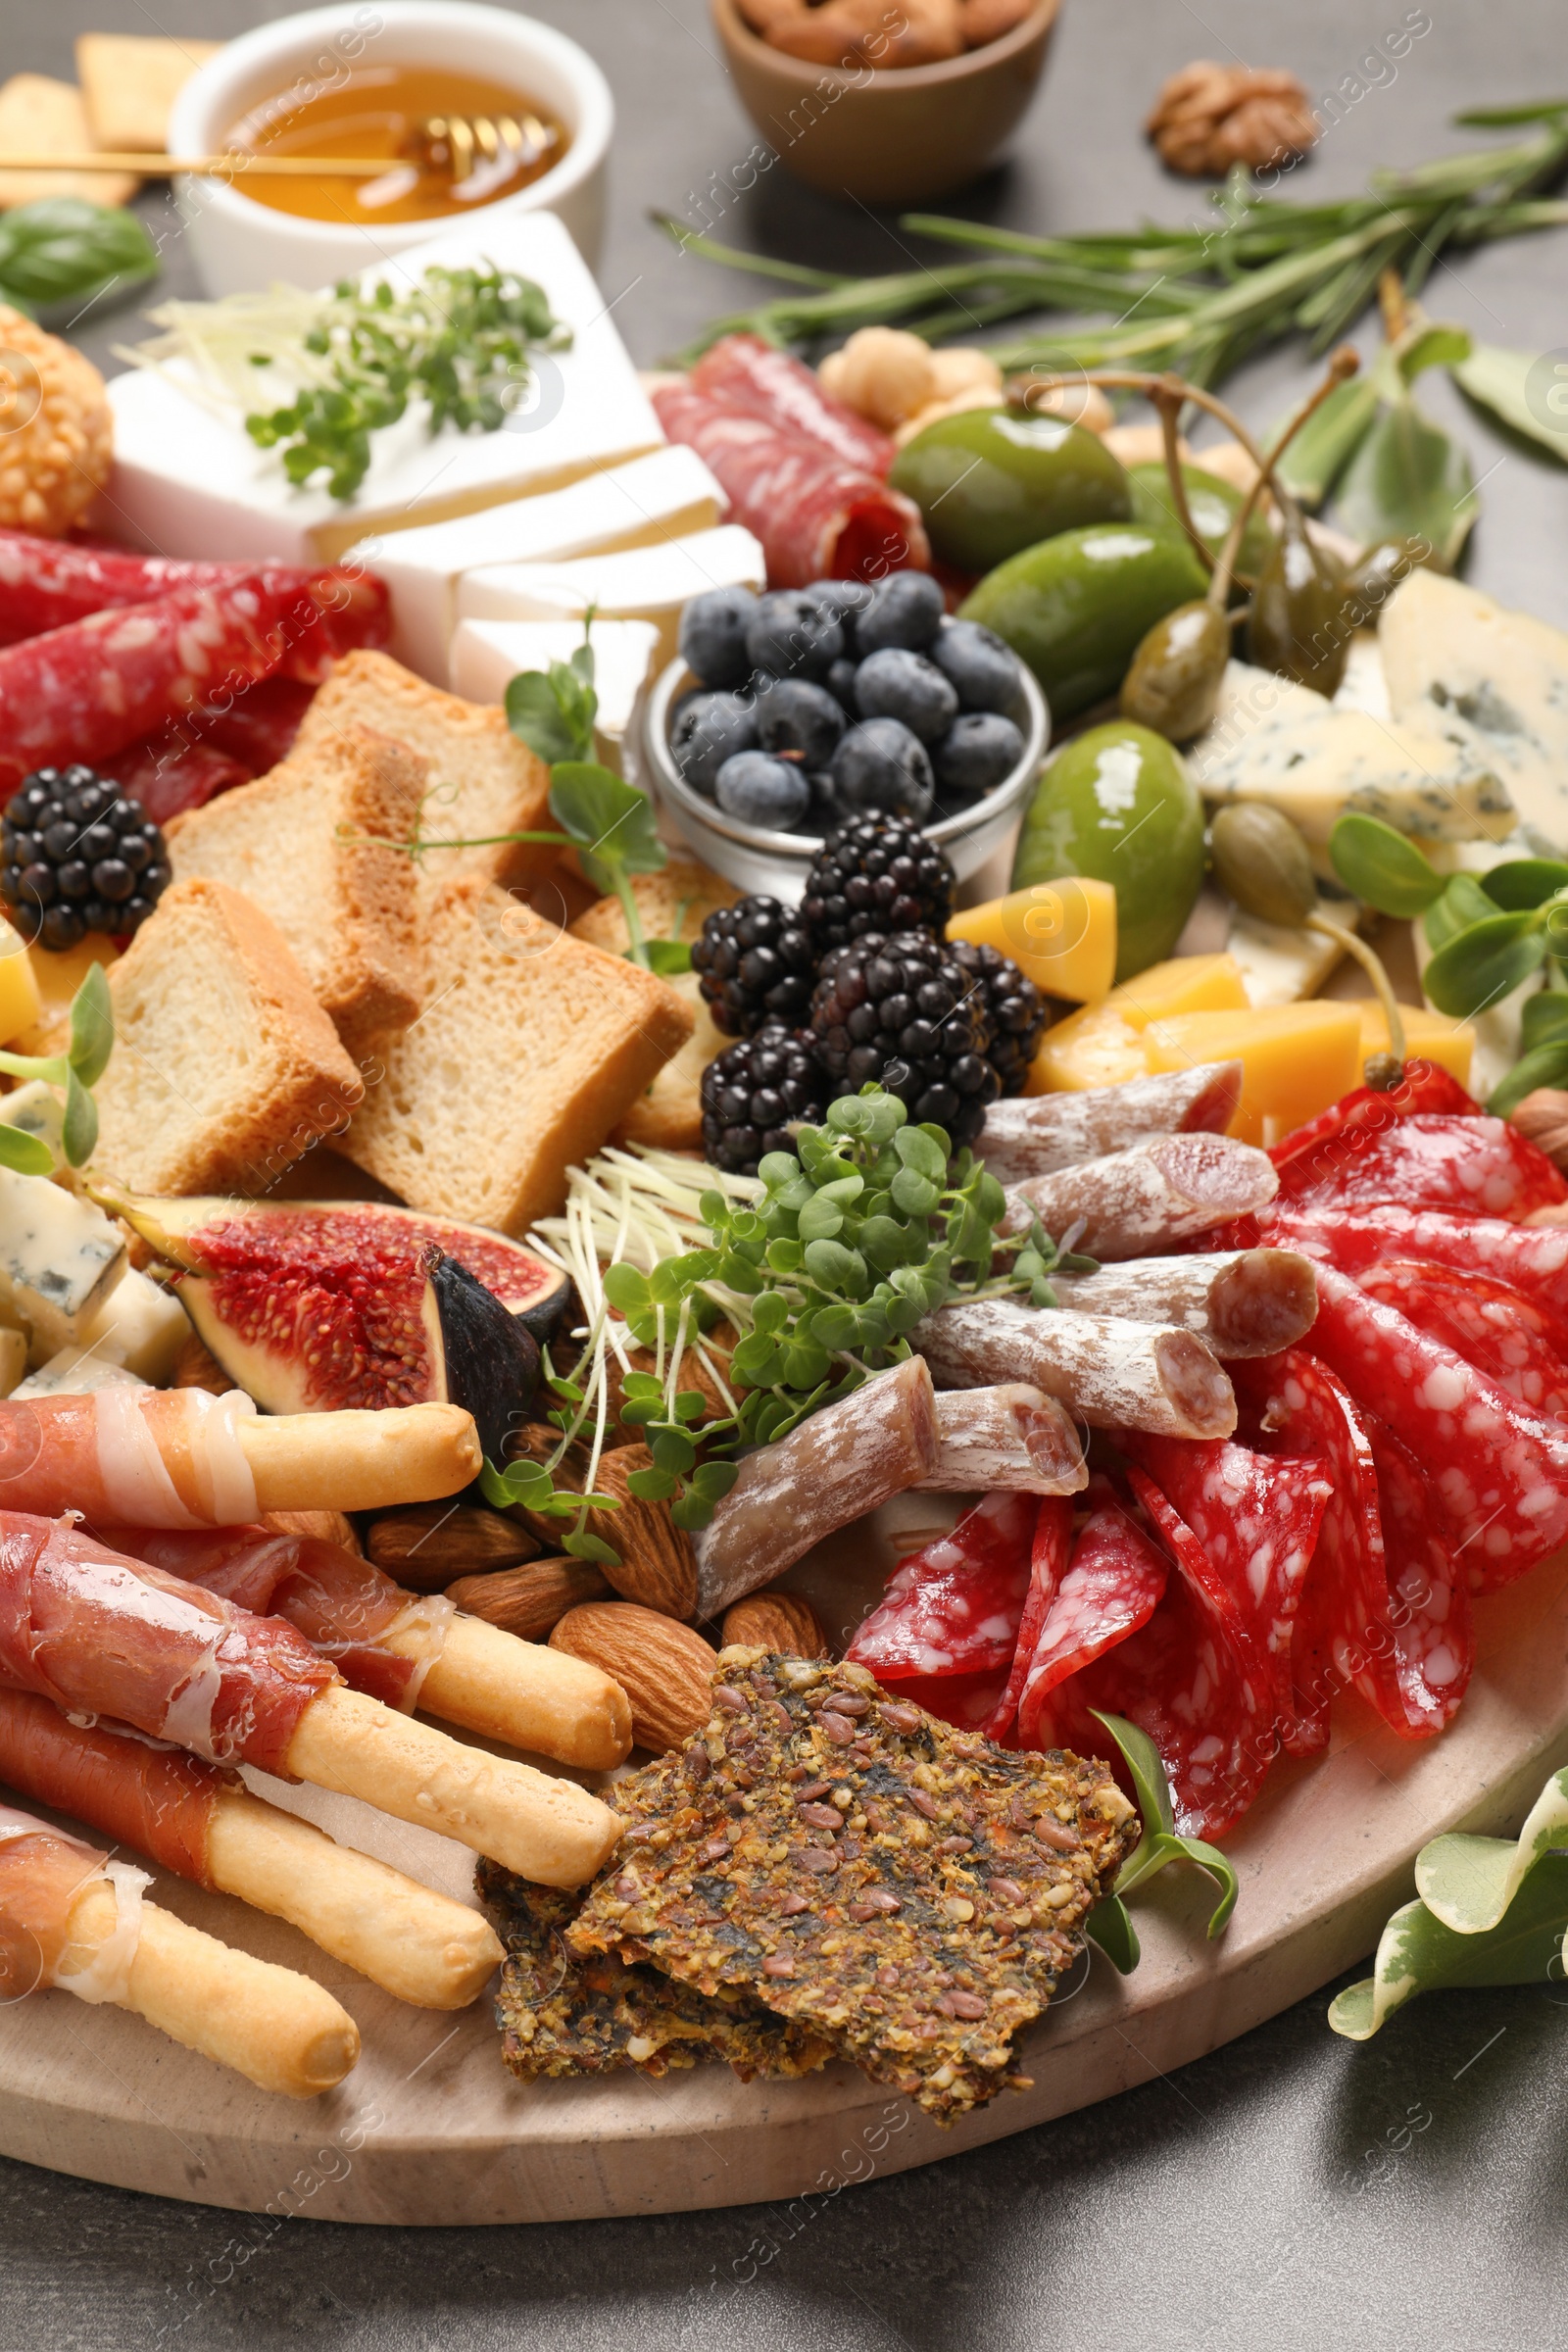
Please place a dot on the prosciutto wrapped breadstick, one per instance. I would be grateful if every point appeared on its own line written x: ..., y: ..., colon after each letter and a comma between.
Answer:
x: 1106, y: 1371
x: 72, y: 1920
x: 1008, y: 1436
x: 102, y: 1635
x: 1240, y: 1301
x: 202, y: 1823
x: 180, y: 1457
x: 407, y: 1648
x: 845, y: 1460
x: 1034, y: 1135
x: 1134, y: 1204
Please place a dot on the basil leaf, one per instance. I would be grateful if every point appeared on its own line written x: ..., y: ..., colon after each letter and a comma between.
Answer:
x: 1418, y: 1952
x: 610, y: 822
x: 1543, y: 1065
x: 78, y: 1132
x: 535, y: 716
x: 1525, y: 882
x: 92, y: 1026
x: 1110, y: 1925
x: 1463, y: 902
x: 666, y: 957
x: 1321, y: 452
x: 1410, y: 480
x: 1482, y: 965
x: 28, y: 1154
x: 63, y: 249
x: 1525, y: 390
x: 1381, y: 867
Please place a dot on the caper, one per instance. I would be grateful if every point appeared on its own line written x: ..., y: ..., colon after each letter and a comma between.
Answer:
x: 1261, y: 861
x: 1297, y: 625
x: 1176, y: 674
x: 1375, y: 574
x: 1382, y: 1072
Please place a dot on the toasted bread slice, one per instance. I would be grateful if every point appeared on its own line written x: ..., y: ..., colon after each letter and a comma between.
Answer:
x: 673, y: 903
x: 483, y: 780
x: 668, y: 1114
x: 224, y: 1070
x: 531, y: 1049
x: 312, y: 845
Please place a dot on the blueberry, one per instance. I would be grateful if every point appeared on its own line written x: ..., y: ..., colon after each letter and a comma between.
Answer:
x: 881, y: 765
x: 713, y: 635
x: 794, y: 716
x: 841, y: 682
x: 827, y: 806
x: 896, y: 684
x: 977, y: 751
x: 708, y: 729
x: 905, y: 609
x: 793, y: 635
x: 762, y: 791
x: 846, y: 600
x: 984, y: 670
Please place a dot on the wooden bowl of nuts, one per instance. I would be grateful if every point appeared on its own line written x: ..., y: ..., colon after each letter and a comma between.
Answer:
x: 890, y: 106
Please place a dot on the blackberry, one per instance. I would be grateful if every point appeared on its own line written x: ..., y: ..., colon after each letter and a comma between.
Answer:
x: 876, y: 873
x: 901, y: 1013
x: 76, y: 857
x: 752, y: 1094
x: 755, y: 964
x: 1015, y: 1012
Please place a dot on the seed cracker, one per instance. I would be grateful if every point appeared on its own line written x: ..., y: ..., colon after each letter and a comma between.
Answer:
x: 906, y: 1889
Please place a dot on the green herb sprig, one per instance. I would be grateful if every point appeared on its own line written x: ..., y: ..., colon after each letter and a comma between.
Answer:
x: 75, y: 1072
x: 1110, y: 1923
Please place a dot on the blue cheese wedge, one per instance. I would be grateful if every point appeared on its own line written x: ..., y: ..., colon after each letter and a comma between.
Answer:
x: 1491, y: 683
x: 1279, y: 966
x: 76, y: 1372
x: 642, y: 583
x: 487, y: 654
x: 188, y: 479
x: 667, y: 494
x: 141, y: 1326
x: 1277, y: 742
x: 60, y: 1260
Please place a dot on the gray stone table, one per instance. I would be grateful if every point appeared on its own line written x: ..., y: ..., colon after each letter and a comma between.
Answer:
x: 1290, y: 2190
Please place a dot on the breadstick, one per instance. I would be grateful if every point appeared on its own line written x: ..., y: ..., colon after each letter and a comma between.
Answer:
x: 282, y: 2031
x: 526, y: 1693
x: 546, y: 1830
x: 361, y: 1461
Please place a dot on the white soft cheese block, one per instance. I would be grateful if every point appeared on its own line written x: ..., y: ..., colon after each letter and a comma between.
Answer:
x: 75, y: 1372
x: 487, y: 655
x: 140, y: 1325
x: 1491, y: 683
x: 60, y: 1260
x: 642, y: 583
x: 667, y: 494
x: 1297, y: 753
x: 188, y: 480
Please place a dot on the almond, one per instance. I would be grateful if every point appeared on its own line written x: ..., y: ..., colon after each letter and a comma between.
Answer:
x: 328, y: 1527
x: 665, y: 1668
x: 782, y: 1622
x: 528, y: 1600
x: 428, y: 1544
x: 657, y: 1566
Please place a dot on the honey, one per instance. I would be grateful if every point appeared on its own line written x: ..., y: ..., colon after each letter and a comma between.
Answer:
x: 379, y: 111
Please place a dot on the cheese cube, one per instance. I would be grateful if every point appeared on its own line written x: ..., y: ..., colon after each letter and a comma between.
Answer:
x: 188, y: 479
x: 39, y: 1110
x: 1061, y: 935
x: 487, y: 654
x: 645, y: 583
x: 1104, y: 1044
x: 21, y: 1002
x: 1428, y: 1036
x: 73, y: 1372
x: 58, y: 975
x: 1296, y: 1058
x: 60, y: 1259
x: 662, y: 496
x: 1279, y: 966
x: 141, y: 1326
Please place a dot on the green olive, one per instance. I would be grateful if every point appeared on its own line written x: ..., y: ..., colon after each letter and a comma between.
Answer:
x: 1261, y: 860
x: 1297, y: 625
x: 1176, y: 674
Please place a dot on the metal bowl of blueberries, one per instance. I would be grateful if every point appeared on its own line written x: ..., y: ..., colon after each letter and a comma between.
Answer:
x: 787, y: 712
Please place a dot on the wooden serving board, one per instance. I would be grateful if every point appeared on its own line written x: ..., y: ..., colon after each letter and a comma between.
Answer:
x: 432, y: 2130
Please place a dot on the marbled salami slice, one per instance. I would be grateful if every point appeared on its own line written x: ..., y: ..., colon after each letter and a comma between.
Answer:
x: 1506, y: 1336
x: 1533, y: 1259
x: 1499, y: 1475
x: 1239, y: 1302
x: 1137, y: 1203
x: 1312, y: 1153
x: 955, y: 1607
x: 1434, y: 1648
x: 1115, y: 1578
x: 816, y: 516
x: 1034, y: 1135
x: 170, y: 779
x: 1048, y: 1565
x: 743, y: 373
x: 1433, y: 1159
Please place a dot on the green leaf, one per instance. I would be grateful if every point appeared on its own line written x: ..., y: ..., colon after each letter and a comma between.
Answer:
x: 523, y: 1483
x: 916, y: 1195
x: 666, y: 957
x: 1469, y: 1883
x: 92, y: 1026
x: 1525, y: 390
x: 28, y: 1154
x: 1381, y: 867
x: 1545, y: 1019
x: 1408, y: 480
x: 78, y: 1131
x: 1463, y: 902
x: 713, y: 1481
x: 611, y: 822
x: 919, y: 1149
x: 583, y: 1546
x: 1543, y: 1065
x: 1321, y: 452
x: 63, y: 249
x: 651, y: 1485
x: 626, y: 1288
x: 1430, y: 345
x: 1525, y: 882
x: 1418, y: 1954
x: 1161, y: 1843
x: 1110, y: 1925
x: 535, y: 716
x: 1150, y: 1789
x: 1484, y: 964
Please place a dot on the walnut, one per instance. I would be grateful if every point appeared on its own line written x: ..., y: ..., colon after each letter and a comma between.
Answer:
x: 1209, y: 117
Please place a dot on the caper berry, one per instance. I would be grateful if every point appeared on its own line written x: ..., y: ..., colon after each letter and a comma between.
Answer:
x: 1173, y: 683
x: 1261, y: 861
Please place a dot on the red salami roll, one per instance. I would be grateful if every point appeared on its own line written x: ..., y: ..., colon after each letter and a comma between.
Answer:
x: 1531, y: 1258
x: 742, y: 372
x: 955, y: 1606
x: 816, y: 516
x: 1433, y: 1159
x: 1311, y: 1153
x: 1048, y: 1565
x: 1492, y: 1324
x: 1114, y: 1581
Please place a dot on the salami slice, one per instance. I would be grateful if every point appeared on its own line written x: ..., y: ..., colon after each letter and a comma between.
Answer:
x: 168, y: 780
x: 1047, y: 1564
x: 816, y: 516
x: 743, y: 373
x: 260, y: 728
x: 1492, y: 1324
x: 1531, y: 1258
x: 1499, y: 1476
x: 1034, y: 1135
x: 967, y: 1699
x: 1133, y: 1203
x: 955, y: 1607
x: 1114, y: 1581
x: 1240, y: 1301
x: 1433, y: 1159
x: 1435, y: 1650
x: 1314, y: 1151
